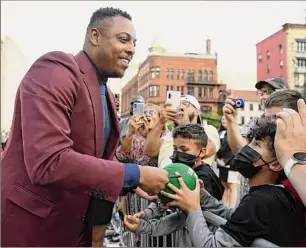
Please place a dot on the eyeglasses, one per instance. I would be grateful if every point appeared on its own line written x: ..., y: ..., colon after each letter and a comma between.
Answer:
x: 150, y: 112
x: 187, y: 104
x: 263, y: 92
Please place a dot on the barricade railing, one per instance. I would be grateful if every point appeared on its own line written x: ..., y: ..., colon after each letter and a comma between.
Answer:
x: 135, y: 204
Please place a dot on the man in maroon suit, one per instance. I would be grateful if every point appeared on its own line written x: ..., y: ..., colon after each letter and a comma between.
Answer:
x: 63, y: 139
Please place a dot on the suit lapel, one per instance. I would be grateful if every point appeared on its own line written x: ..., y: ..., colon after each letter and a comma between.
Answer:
x: 92, y: 84
x: 113, y: 141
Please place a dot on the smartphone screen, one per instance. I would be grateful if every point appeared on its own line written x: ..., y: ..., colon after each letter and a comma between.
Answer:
x: 174, y: 98
x: 138, y: 108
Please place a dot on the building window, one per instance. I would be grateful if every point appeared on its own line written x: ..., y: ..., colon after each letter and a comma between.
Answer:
x: 300, y: 80
x: 200, y: 75
x: 171, y: 73
x: 206, y: 109
x: 205, y: 95
x: 157, y: 72
x: 178, y: 74
x: 167, y: 73
x: 211, y: 92
x: 301, y: 62
x: 251, y: 107
x: 268, y: 68
x: 281, y: 64
x: 259, y: 107
x: 200, y: 92
x: 242, y: 120
x: 190, y: 90
x: 153, y: 91
x: 182, y: 74
x: 259, y: 57
x: 169, y: 87
x: 190, y: 77
x: 152, y: 72
x: 205, y: 75
x: 181, y: 89
x: 268, y: 54
x: 178, y: 88
x: 280, y: 48
x: 210, y: 76
x: 301, y: 46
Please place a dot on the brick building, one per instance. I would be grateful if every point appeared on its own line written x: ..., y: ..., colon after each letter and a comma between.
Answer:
x: 283, y: 54
x: 190, y: 73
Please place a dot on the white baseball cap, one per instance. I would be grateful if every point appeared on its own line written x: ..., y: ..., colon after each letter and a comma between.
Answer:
x: 192, y: 100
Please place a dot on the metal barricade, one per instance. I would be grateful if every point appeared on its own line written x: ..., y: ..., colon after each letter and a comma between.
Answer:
x: 136, y: 204
x: 218, y: 221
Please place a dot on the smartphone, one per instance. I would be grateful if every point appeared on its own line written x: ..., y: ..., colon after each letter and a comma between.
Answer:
x: 138, y: 108
x: 174, y: 98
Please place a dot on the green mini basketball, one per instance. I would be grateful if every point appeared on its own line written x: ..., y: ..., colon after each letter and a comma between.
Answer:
x: 188, y: 175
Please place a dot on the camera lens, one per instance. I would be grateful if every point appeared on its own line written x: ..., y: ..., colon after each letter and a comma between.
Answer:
x: 238, y: 103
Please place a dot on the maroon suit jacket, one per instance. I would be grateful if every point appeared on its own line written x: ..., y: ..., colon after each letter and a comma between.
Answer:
x: 53, y: 154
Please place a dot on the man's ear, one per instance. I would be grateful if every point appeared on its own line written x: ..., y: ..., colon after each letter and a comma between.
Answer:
x: 275, y: 166
x: 203, y: 153
x: 93, y: 36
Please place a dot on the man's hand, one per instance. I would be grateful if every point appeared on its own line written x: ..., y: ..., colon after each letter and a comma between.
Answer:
x: 145, y: 195
x: 140, y: 215
x: 291, y: 132
x: 167, y: 113
x: 202, y: 188
x: 152, y: 179
x: 184, y: 198
x: 132, y: 223
x: 228, y: 110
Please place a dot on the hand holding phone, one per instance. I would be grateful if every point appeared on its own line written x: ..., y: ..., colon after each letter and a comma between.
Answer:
x: 138, y: 108
x: 173, y: 98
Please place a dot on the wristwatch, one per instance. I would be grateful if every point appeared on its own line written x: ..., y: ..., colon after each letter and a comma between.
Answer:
x: 297, y: 158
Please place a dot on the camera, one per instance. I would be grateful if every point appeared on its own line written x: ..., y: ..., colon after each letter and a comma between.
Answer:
x: 238, y: 103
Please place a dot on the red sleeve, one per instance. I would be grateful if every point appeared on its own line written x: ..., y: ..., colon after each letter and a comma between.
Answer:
x: 47, y: 97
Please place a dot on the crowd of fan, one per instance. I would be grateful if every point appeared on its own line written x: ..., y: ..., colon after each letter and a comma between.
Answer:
x: 270, y: 208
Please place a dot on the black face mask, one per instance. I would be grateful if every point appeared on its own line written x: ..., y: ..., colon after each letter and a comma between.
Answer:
x: 184, y: 158
x: 244, y: 162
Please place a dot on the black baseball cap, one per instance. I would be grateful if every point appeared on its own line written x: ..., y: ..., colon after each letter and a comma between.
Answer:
x: 277, y: 83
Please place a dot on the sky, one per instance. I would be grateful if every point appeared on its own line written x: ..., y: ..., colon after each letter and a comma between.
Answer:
x: 234, y: 28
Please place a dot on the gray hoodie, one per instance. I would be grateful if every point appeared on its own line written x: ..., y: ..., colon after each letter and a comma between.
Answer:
x: 192, y: 230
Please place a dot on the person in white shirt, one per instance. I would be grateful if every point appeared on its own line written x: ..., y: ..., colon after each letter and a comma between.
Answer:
x: 188, y: 112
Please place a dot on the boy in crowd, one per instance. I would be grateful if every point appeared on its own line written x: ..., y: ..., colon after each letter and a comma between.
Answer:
x: 190, y: 148
x: 268, y: 211
x: 190, y: 143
